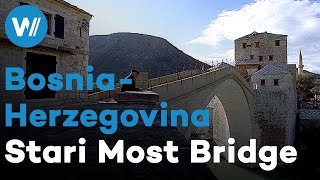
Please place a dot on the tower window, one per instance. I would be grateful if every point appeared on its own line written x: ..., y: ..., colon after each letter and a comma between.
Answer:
x: 260, y: 58
x: 263, y: 82
x: 49, y: 20
x: 244, y: 45
x: 59, y: 26
x: 277, y: 42
x: 257, y: 44
x: 251, y: 57
x: 271, y: 58
x: 276, y: 82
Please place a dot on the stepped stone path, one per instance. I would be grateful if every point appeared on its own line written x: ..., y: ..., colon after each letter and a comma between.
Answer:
x: 138, y: 135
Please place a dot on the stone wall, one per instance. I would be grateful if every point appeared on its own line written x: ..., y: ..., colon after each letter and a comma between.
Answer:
x: 74, y: 19
x: 244, y: 69
x: 72, y: 52
x: 266, y: 48
x: 274, y: 118
x: 11, y: 56
x: 285, y: 82
x: 143, y: 80
x: 275, y: 109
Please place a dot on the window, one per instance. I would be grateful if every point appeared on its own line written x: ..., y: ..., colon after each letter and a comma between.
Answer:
x: 23, y: 3
x: 277, y: 42
x: 59, y: 27
x: 49, y: 20
x: 271, y: 58
x: 276, y: 82
x: 257, y: 44
x: 80, y: 32
x: 260, y: 58
x: 251, y: 57
x: 263, y: 82
x: 244, y: 45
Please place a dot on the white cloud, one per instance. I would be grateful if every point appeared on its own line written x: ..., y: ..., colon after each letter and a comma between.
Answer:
x: 227, y: 55
x: 298, y: 19
x: 215, y: 58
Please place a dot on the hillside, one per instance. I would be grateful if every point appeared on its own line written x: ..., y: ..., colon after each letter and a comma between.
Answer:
x: 119, y: 53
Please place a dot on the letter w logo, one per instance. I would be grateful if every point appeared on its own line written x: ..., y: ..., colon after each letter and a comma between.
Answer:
x: 26, y: 25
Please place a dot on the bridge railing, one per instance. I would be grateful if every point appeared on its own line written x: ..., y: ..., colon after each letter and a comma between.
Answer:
x: 173, y: 77
x: 104, y: 95
x: 178, y: 88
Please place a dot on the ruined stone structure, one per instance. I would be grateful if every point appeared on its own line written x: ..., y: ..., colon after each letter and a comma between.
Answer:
x: 64, y: 50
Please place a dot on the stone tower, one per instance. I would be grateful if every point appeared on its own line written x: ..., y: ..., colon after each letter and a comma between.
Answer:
x: 262, y: 58
x: 257, y: 50
x: 300, y: 66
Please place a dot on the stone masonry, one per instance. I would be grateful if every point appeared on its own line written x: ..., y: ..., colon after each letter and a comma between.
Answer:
x: 262, y: 59
x: 70, y: 48
x: 275, y: 106
x: 256, y: 50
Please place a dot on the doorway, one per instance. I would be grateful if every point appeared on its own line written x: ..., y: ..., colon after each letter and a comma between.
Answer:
x: 42, y: 64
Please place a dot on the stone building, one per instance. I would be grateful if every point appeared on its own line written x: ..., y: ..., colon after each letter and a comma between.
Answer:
x: 262, y: 59
x: 256, y: 50
x: 272, y: 78
x: 275, y: 105
x: 64, y: 50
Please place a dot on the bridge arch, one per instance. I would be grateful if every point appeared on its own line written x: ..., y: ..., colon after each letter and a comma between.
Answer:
x: 225, y: 88
x: 229, y: 111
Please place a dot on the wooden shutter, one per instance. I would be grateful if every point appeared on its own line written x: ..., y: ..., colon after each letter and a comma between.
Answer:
x: 59, y: 27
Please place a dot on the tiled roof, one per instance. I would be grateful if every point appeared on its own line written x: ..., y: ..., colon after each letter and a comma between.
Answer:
x: 310, y: 114
x: 256, y: 34
x: 73, y: 6
x: 271, y: 70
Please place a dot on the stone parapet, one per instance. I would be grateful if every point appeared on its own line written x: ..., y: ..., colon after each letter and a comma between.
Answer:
x: 131, y: 97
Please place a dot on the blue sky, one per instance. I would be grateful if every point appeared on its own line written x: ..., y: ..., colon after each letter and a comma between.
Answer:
x: 205, y: 29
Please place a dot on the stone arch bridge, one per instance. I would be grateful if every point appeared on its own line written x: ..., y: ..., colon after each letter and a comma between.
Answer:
x: 225, y: 93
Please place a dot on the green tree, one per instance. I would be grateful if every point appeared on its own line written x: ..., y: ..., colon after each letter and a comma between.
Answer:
x: 304, y: 83
x: 316, y: 92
